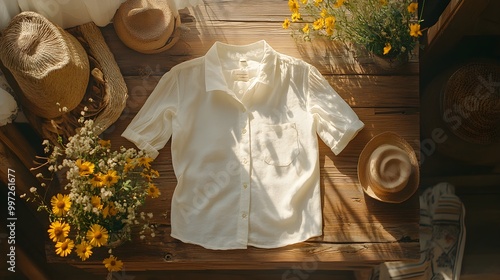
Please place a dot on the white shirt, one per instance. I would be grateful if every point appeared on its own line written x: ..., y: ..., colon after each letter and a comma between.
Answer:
x: 243, y: 122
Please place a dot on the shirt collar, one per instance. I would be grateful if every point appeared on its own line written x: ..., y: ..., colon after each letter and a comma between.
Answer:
x: 214, y: 78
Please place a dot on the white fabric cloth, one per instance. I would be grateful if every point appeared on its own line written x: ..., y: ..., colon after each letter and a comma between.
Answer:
x: 8, y: 107
x: 8, y: 9
x: 442, y: 239
x: 176, y: 5
x: 70, y: 13
x: 244, y: 122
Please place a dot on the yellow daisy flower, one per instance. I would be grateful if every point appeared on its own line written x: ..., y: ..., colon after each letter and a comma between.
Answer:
x: 286, y: 23
x: 97, y: 181
x: 330, y: 22
x: 324, y: 13
x: 64, y: 248
x: 154, y: 173
x: 129, y: 165
x: 413, y: 7
x: 387, y: 48
x: 153, y: 191
x: 304, y: 1
x: 110, y: 210
x: 305, y: 29
x: 60, y: 204
x: 317, y: 2
x: 83, y: 250
x: 113, y: 264
x: 97, y: 235
x: 145, y: 161
x: 415, y: 30
x: 293, y: 5
x: 96, y: 202
x: 110, y: 178
x: 105, y: 143
x: 338, y: 4
x: 58, y: 231
x: 85, y: 168
x: 319, y: 23
x: 296, y: 17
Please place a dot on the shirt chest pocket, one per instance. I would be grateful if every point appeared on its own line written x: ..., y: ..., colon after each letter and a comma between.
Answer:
x: 279, y: 144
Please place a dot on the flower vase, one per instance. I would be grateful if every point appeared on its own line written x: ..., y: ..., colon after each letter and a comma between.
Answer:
x: 390, y: 64
x: 118, y: 237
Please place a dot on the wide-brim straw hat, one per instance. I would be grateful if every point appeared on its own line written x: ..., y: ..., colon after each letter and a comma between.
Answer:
x: 49, y: 64
x: 388, y: 168
x: 147, y: 26
x: 463, y: 105
x: 474, y: 88
x: 104, y: 90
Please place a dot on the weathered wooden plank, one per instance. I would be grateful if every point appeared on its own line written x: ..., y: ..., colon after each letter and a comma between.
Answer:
x: 327, y: 56
x: 358, y: 231
x: 171, y: 256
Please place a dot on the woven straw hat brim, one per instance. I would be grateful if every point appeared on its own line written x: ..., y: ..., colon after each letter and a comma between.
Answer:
x: 114, y: 97
x: 152, y: 31
x: 363, y: 168
x: 48, y: 63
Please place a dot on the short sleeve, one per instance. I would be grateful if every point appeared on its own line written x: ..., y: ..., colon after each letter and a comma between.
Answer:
x: 336, y: 122
x: 151, y: 128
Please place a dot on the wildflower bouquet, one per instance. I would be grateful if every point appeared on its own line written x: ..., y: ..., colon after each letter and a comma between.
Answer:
x: 104, y: 190
x: 388, y: 28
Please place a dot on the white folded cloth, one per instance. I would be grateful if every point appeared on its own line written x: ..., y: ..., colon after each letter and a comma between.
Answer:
x: 70, y: 13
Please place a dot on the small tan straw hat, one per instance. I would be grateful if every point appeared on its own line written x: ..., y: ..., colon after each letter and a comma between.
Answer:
x: 388, y: 168
x: 147, y: 26
x: 46, y: 65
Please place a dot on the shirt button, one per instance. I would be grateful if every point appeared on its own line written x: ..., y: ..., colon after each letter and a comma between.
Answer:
x: 245, y: 161
x: 241, y: 91
x: 244, y: 131
x: 244, y: 215
x: 245, y: 185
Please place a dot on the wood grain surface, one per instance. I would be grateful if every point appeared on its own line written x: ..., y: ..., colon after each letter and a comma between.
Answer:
x: 358, y: 231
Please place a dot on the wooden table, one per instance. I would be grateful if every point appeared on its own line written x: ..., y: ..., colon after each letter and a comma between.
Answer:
x: 359, y: 232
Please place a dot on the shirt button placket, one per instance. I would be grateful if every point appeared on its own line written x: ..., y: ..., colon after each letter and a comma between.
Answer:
x: 245, y: 160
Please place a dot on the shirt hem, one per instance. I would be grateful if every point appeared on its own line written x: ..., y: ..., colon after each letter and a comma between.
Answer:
x: 252, y: 244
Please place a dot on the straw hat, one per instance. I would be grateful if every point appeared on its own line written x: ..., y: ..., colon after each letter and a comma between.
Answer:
x: 463, y: 102
x: 147, y: 26
x: 388, y: 168
x: 80, y: 72
x: 473, y: 88
x: 49, y: 64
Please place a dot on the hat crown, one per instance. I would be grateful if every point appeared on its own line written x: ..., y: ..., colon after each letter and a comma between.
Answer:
x: 389, y: 168
x: 146, y: 20
x: 146, y: 26
x: 50, y: 65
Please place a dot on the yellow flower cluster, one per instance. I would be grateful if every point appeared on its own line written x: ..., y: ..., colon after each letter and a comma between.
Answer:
x: 382, y: 26
x: 105, y: 190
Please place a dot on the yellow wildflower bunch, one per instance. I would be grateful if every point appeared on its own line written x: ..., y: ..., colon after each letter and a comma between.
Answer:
x: 384, y: 27
x: 104, y: 191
